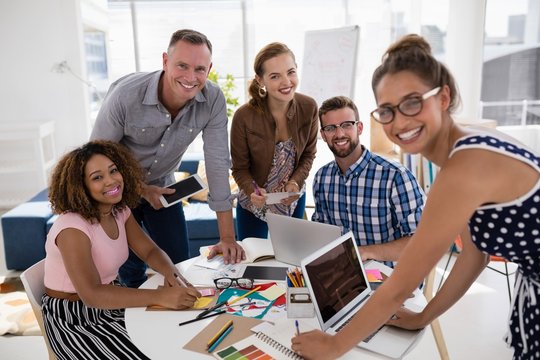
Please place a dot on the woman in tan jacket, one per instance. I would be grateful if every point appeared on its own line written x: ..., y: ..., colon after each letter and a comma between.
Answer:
x: 273, y: 142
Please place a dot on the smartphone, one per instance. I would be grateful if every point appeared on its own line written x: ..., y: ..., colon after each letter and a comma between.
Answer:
x: 184, y: 189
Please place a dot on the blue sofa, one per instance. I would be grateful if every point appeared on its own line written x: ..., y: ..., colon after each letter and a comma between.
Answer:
x: 25, y: 227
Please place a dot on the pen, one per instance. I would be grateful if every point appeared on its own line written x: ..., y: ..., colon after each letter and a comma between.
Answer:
x: 202, y: 318
x: 219, y: 333
x: 218, y: 341
x: 297, y: 327
x: 257, y: 190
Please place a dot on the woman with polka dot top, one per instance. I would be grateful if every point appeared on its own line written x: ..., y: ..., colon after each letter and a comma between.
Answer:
x: 487, y: 191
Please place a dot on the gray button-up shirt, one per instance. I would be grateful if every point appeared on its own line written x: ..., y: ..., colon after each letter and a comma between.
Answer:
x: 132, y: 115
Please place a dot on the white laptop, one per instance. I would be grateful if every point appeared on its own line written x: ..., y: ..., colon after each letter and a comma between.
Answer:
x: 339, y: 286
x: 293, y: 239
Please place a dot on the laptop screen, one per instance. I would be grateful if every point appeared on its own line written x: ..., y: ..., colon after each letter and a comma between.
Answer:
x: 336, y: 277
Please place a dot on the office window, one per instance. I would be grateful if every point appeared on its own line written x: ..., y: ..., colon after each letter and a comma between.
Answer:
x: 511, y: 71
x: 238, y: 29
x: 96, y: 67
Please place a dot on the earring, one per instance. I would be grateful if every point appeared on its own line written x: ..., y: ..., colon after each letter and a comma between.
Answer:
x: 262, y: 91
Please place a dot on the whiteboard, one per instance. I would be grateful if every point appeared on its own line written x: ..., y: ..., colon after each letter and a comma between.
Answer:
x: 329, y: 64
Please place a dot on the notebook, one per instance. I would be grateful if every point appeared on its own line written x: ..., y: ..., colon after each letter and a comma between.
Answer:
x: 293, y: 239
x: 338, y: 285
x: 270, y: 342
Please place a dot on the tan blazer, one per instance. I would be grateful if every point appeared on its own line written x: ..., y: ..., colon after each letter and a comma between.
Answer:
x: 253, y: 141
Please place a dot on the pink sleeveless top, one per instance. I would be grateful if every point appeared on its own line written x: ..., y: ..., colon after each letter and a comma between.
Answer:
x: 108, y: 254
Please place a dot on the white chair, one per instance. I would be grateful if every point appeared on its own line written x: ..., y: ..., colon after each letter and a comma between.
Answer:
x: 32, y: 279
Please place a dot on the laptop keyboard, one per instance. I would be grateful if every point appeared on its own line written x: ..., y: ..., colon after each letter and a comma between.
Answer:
x: 366, y: 339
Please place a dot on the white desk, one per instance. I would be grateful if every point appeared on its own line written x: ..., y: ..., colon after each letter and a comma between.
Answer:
x: 157, y: 334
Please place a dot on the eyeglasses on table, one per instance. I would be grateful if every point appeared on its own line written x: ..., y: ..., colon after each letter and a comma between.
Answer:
x: 227, y: 282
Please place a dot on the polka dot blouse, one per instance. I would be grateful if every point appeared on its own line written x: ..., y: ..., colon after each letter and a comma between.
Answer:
x: 512, y: 230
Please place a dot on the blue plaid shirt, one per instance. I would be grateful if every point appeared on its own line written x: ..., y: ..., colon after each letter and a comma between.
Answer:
x: 378, y: 200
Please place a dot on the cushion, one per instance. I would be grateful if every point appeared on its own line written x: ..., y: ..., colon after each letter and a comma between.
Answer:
x: 16, y: 315
x: 180, y: 175
x: 24, y: 231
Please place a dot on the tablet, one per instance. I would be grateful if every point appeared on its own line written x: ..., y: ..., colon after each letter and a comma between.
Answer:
x: 184, y: 189
x: 265, y: 272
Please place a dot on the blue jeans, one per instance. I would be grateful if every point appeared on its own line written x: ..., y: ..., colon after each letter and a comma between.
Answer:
x: 168, y: 228
x: 248, y: 225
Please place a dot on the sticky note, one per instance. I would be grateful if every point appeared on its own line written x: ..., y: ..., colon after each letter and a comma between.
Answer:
x: 374, y: 275
x: 207, y: 292
x: 202, y: 302
x: 272, y: 293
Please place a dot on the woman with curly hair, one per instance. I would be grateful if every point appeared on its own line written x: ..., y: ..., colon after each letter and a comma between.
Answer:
x: 92, y: 188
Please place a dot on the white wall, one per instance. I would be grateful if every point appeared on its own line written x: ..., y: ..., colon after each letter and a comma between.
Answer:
x: 35, y: 35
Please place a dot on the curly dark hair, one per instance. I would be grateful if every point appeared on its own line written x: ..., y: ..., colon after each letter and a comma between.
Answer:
x: 67, y: 190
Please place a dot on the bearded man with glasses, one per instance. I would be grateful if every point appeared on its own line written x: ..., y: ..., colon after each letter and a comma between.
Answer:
x: 379, y: 200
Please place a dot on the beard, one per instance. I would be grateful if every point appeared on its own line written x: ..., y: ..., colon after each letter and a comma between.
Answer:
x: 344, y: 152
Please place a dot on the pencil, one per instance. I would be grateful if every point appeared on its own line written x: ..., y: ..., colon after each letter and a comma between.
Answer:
x: 291, y: 277
x: 243, y: 296
x: 219, y: 333
x: 218, y: 341
x: 297, y: 277
x: 182, y: 280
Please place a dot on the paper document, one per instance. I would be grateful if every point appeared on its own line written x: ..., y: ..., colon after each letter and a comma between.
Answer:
x: 274, y: 198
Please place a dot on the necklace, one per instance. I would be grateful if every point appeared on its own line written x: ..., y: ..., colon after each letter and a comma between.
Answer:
x: 103, y: 214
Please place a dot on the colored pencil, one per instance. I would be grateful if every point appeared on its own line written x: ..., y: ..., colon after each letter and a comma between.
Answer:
x: 243, y: 296
x: 218, y: 341
x: 219, y: 333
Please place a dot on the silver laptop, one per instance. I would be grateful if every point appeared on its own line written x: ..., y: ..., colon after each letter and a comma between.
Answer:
x: 293, y: 239
x: 339, y: 287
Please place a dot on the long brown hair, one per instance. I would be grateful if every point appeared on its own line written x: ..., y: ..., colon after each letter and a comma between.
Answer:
x: 68, y: 192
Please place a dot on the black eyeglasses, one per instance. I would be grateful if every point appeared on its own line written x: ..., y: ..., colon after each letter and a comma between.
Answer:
x: 346, y: 125
x: 410, y: 106
x: 226, y: 282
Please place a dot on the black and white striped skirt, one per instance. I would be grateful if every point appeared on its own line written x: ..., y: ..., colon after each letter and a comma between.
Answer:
x: 76, y: 331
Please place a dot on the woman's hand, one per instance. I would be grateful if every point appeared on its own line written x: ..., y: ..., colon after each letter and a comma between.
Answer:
x: 178, y: 297
x: 407, y: 319
x: 315, y: 345
x: 291, y: 186
x: 258, y: 200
